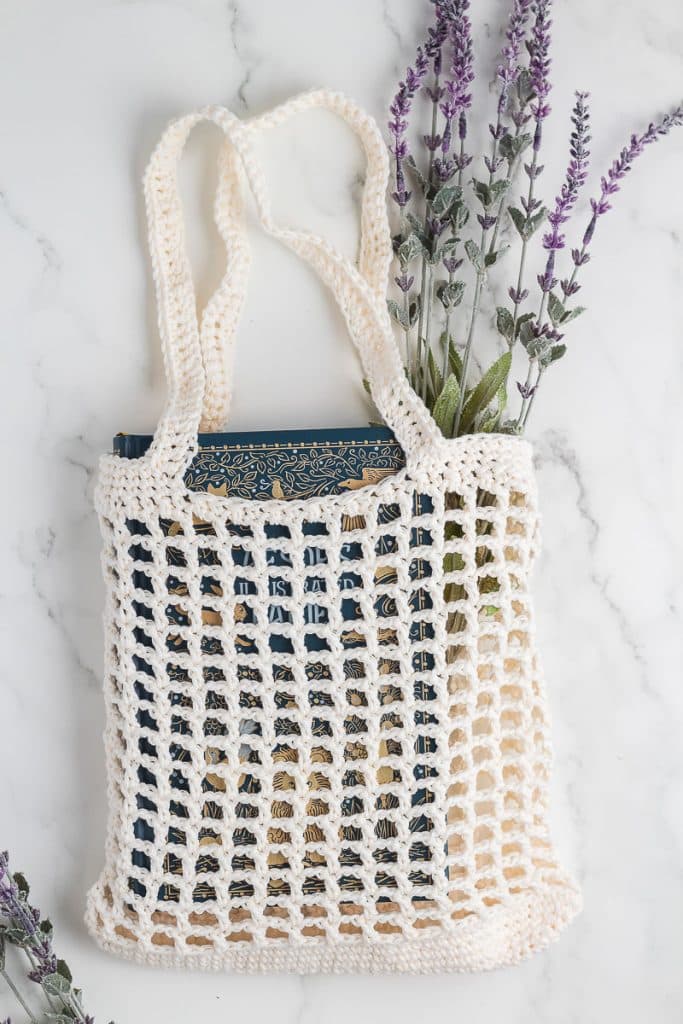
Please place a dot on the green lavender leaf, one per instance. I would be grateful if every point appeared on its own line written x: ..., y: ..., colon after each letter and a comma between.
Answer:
x: 450, y: 293
x: 556, y: 310
x: 63, y: 970
x: 526, y: 333
x: 474, y: 254
x: 21, y: 884
x: 571, y: 314
x: 483, y: 193
x: 56, y: 984
x: 366, y: 385
x: 410, y: 249
x: 448, y: 247
x: 485, y: 391
x: 434, y: 374
x: 444, y: 199
x: 536, y: 220
x: 493, y: 257
x: 551, y: 355
x: 419, y: 176
x: 518, y: 219
x: 527, y: 226
x: 417, y: 229
x: 492, y: 417
x: 454, y: 360
x: 510, y: 427
x: 59, y: 1018
x: 489, y: 421
x: 400, y: 315
x: 505, y: 324
x: 446, y: 405
x: 460, y: 214
x: 2, y: 952
x: 511, y: 147
x: 525, y: 318
x: 499, y: 188
x: 414, y: 311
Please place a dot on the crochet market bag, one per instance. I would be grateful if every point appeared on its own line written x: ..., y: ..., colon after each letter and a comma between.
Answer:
x: 374, y: 797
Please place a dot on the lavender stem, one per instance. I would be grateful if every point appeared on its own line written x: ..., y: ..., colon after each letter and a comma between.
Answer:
x: 468, y: 350
x: 20, y: 999
x: 423, y: 342
x: 446, y: 356
x: 533, y: 396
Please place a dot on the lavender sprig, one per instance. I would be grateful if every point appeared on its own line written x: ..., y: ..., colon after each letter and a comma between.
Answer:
x: 398, y: 125
x: 452, y: 29
x: 528, y: 219
x: 491, y: 194
x: 22, y: 925
x: 509, y: 74
x: 542, y: 340
x: 575, y: 179
x: 457, y: 103
x: 610, y: 184
x: 433, y: 228
x: 509, y: 68
x: 462, y: 75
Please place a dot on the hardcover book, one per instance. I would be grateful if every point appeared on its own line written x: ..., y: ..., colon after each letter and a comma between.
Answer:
x: 293, y: 464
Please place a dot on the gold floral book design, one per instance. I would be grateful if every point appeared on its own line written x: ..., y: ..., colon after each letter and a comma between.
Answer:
x: 260, y: 466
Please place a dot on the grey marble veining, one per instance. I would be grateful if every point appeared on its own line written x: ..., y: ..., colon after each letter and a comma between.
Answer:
x: 86, y: 86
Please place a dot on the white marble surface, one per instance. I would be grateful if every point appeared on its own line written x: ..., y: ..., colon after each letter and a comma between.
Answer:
x: 85, y: 88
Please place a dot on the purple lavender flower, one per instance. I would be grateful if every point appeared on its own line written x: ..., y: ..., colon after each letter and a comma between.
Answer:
x: 526, y: 390
x: 457, y: 94
x: 11, y: 904
x: 451, y: 264
x: 575, y: 179
x: 577, y: 172
x: 405, y: 282
x: 398, y: 125
x: 509, y: 68
x: 611, y: 183
x: 539, y: 66
x: 14, y: 907
x: 518, y: 295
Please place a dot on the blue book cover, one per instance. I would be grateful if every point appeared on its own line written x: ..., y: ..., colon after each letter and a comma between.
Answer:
x: 285, y: 465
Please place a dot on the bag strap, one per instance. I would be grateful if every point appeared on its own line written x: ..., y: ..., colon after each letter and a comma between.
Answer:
x: 194, y: 354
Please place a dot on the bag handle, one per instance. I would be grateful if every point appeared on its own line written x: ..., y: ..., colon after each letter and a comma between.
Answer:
x: 199, y: 387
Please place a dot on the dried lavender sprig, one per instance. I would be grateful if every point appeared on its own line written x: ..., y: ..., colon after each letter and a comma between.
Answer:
x: 437, y: 36
x: 575, y: 178
x: 554, y: 241
x: 462, y: 74
x: 509, y: 68
x: 27, y: 920
x: 508, y: 72
x: 610, y: 184
x: 458, y: 103
x: 453, y: 26
x: 539, y: 72
x: 398, y: 125
x: 35, y: 940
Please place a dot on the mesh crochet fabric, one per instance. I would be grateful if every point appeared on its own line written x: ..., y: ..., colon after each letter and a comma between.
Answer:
x: 371, y: 795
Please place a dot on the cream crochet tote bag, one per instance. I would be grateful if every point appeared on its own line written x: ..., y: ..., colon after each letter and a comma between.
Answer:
x: 383, y: 808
